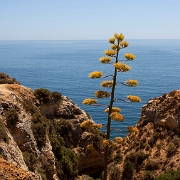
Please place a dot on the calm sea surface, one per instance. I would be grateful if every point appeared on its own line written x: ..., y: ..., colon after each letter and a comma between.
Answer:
x: 64, y: 66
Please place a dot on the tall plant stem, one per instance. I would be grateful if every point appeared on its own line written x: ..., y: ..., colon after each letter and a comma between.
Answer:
x: 109, y: 119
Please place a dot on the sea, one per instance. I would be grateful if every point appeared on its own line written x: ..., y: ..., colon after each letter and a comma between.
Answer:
x: 64, y: 66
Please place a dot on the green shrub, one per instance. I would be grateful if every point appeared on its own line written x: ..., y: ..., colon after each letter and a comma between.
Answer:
x: 29, y: 106
x: 66, y: 164
x: 154, y: 138
x: 169, y: 175
x: 31, y: 160
x: 6, y: 79
x: 152, y: 165
x: 66, y: 159
x: 171, y: 149
x: 56, y: 96
x: 3, y: 133
x: 118, y: 157
x: 114, y: 172
x: 136, y: 158
x: 128, y: 170
x: 56, y: 140
x: 40, y: 127
x: 42, y: 173
x: 11, y: 117
x: 148, y: 175
x: 43, y: 95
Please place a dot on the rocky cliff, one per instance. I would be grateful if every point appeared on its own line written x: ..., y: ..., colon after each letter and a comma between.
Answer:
x: 155, y: 148
x: 41, y: 137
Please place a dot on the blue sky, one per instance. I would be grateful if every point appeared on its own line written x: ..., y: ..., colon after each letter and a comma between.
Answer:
x: 89, y: 19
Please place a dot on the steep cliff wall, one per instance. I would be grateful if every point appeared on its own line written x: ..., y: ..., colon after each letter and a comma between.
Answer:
x: 38, y: 132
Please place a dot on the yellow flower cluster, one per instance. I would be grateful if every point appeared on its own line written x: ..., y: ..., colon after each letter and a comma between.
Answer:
x: 95, y: 74
x: 118, y: 139
x: 90, y: 125
x: 110, y: 52
x: 97, y: 126
x: 121, y: 67
x: 112, y: 40
x: 114, y: 109
x: 115, y: 47
x: 105, y: 59
x: 132, y: 129
x: 124, y: 44
x: 86, y: 124
x: 107, y: 84
x: 134, y: 98
x: 89, y: 101
x: 102, y: 94
x: 129, y: 56
x: 106, y: 142
x: 119, y: 37
x: 132, y: 82
x: 90, y: 147
x: 117, y: 117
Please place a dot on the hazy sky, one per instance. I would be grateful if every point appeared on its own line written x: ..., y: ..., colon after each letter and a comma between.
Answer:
x: 89, y: 19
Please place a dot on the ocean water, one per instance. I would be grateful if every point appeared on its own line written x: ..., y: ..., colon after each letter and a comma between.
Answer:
x: 64, y: 66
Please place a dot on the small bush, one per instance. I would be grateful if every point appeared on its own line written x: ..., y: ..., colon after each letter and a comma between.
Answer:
x: 43, y: 95
x: 66, y: 159
x: 148, y: 175
x: 136, y: 158
x: 66, y: 163
x: 154, y: 138
x: 128, y: 170
x: 169, y: 175
x: 152, y: 165
x: 171, y: 149
x: 56, y: 96
x: 31, y: 160
x: 114, y: 172
x: 118, y: 157
x: 11, y: 118
x: 5, y: 79
x: 40, y: 127
x: 3, y: 133
x: 42, y: 173
x: 29, y: 106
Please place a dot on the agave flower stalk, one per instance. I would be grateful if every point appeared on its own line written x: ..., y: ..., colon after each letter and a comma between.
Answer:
x: 117, y: 43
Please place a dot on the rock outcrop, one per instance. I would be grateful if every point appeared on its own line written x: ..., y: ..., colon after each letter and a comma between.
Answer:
x: 34, y: 133
x: 164, y: 110
x: 155, y: 148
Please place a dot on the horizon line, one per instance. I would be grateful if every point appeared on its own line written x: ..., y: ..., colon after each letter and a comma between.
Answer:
x: 82, y: 39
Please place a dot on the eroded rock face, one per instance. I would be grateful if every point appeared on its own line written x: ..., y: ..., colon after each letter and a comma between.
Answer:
x: 155, y: 147
x: 164, y: 110
x: 21, y: 140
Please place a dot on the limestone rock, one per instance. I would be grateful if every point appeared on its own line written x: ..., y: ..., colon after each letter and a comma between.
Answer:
x: 20, y: 146
x: 164, y: 110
